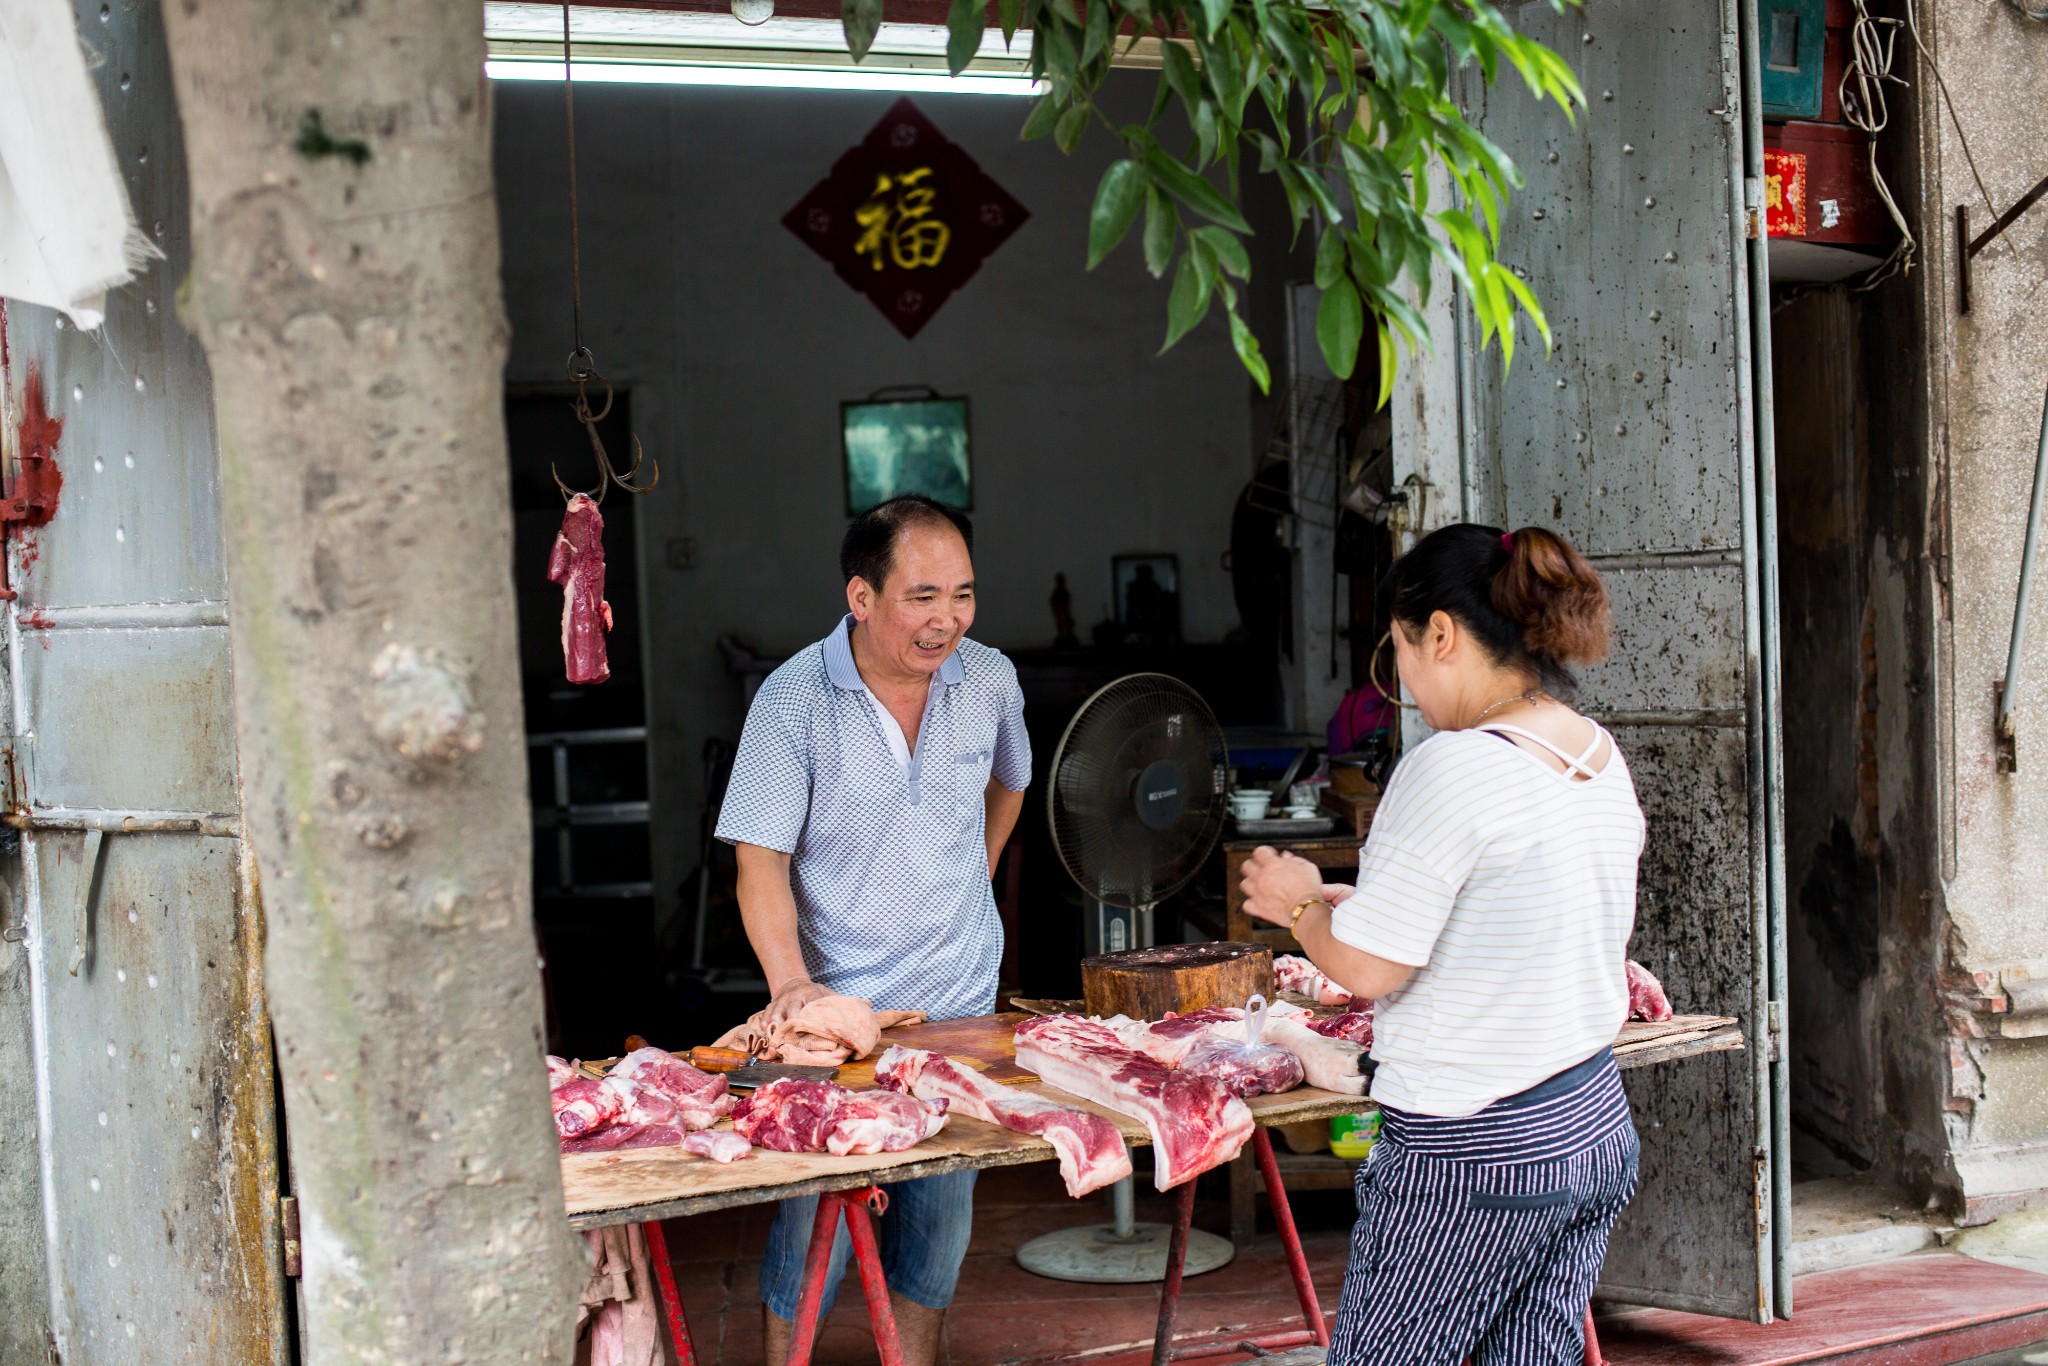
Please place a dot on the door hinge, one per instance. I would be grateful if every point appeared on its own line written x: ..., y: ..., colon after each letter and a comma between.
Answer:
x: 288, y: 1220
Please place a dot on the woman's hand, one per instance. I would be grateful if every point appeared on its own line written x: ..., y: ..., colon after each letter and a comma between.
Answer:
x: 1274, y: 884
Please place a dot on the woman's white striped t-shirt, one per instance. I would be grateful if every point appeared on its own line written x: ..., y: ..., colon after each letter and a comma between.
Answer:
x: 1512, y: 888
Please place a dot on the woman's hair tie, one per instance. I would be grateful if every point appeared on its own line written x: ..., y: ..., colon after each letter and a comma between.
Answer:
x: 1507, y: 541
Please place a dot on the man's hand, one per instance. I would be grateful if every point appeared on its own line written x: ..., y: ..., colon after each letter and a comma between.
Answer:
x: 1274, y: 884
x: 792, y: 997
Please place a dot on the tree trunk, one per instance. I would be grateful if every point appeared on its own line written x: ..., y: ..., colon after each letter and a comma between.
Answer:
x: 345, y: 286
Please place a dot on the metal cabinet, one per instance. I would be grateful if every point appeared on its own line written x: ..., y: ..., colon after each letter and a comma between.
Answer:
x: 1642, y: 438
x: 157, y: 1169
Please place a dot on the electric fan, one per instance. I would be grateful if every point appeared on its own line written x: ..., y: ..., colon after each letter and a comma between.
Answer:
x: 1135, y: 802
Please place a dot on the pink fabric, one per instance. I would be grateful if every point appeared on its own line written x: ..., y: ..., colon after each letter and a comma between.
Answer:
x: 824, y: 1033
x: 618, y: 1322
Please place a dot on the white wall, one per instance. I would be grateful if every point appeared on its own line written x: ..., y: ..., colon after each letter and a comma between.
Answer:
x: 739, y: 344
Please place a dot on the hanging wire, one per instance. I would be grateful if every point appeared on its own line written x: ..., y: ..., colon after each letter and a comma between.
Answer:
x: 582, y: 365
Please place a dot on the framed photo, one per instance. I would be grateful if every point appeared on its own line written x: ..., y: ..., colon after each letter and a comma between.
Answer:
x: 1147, y: 596
x: 906, y: 445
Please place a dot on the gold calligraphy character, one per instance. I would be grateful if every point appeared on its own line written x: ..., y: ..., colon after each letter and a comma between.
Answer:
x: 897, y: 223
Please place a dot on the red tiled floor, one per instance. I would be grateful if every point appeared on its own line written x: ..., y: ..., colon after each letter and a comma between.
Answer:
x: 1918, y: 1310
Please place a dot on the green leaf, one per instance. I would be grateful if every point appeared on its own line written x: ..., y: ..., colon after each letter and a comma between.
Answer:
x: 1340, y: 326
x: 1229, y: 253
x: 1067, y: 132
x: 1010, y: 14
x: 1527, y: 298
x: 1044, y: 115
x: 860, y: 19
x: 1188, y: 304
x: 1162, y: 229
x: 1329, y: 257
x: 1247, y: 347
x: 1388, y: 364
x: 1193, y: 191
x: 963, y: 33
x: 1117, y: 200
x: 1181, y: 73
x: 1098, y: 33
x: 1214, y: 13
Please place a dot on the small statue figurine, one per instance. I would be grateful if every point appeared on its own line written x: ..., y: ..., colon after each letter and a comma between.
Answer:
x: 1063, y: 615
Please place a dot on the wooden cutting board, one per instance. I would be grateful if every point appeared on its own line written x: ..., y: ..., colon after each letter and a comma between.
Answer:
x: 982, y: 1042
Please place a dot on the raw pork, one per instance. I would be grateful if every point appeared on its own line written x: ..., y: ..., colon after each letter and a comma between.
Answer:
x: 824, y: 1033
x: 720, y: 1145
x: 701, y: 1098
x: 1195, y: 1122
x: 792, y: 1115
x: 583, y: 1106
x: 1334, y: 1064
x: 577, y: 563
x: 1355, y: 1025
x: 1646, y: 998
x: 1213, y: 1043
x: 1296, y: 974
x: 1091, y: 1151
x: 647, y: 1118
x: 560, y: 1071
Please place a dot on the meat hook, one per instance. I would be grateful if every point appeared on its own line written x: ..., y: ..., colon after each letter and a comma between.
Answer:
x: 582, y: 371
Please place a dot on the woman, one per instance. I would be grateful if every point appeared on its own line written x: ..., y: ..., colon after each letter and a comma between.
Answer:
x: 1490, y: 922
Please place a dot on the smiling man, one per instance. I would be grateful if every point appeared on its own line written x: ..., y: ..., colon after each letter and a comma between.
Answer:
x: 880, y: 773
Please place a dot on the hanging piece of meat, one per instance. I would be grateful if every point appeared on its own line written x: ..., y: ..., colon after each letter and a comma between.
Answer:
x: 577, y: 563
x: 792, y: 1115
x: 1646, y: 998
x: 1195, y: 1122
x: 1091, y: 1152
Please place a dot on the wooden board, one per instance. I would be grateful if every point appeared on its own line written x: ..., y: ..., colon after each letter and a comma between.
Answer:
x: 982, y: 1042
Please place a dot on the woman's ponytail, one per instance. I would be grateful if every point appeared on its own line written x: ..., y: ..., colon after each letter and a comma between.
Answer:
x: 1560, y: 602
x: 1527, y: 595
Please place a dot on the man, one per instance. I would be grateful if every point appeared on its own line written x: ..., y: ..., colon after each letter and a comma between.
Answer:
x: 880, y: 773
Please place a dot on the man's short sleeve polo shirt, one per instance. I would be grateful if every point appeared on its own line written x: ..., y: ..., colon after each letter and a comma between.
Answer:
x: 889, y: 862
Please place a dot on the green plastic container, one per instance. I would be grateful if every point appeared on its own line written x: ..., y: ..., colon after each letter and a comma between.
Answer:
x: 1352, y: 1136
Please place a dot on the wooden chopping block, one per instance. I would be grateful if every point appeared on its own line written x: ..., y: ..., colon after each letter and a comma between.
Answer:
x: 1149, y: 984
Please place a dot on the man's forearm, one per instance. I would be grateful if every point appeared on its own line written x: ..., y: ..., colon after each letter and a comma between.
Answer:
x: 1003, y: 809
x: 768, y: 910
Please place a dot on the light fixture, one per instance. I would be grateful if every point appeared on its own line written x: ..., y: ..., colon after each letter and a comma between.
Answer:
x: 765, y: 78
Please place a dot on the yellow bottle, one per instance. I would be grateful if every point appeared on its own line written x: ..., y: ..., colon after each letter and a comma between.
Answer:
x: 1352, y: 1136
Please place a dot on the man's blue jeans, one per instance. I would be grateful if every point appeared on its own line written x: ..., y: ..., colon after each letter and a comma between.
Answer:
x: 924, y: 1235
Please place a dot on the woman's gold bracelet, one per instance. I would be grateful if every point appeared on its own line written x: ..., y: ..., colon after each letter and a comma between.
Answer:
x: 1301, y: 906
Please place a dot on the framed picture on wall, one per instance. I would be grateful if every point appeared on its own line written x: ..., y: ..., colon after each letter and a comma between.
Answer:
x: 1147, y: 596
x: 906, y: 445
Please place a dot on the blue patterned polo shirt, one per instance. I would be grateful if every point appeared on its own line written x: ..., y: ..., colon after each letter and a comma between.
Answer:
x: 889, y: 862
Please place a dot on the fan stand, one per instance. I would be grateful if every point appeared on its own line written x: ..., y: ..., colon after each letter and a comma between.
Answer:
x: 1124, y: 1251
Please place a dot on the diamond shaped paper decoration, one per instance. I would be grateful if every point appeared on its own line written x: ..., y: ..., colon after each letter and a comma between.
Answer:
x: 906, y: 217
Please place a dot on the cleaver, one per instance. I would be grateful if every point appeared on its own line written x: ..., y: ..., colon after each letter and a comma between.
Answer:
x: 756, y: 1074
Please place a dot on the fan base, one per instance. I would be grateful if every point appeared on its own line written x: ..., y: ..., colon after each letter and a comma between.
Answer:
x: 1095, y: 1254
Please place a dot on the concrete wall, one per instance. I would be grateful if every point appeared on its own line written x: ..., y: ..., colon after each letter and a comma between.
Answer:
x: 1984, y: 391
x: 739, y: 344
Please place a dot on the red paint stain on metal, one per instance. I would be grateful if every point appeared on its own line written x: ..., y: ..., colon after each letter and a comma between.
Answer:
x: 33, y: 499
x: 38, y: 620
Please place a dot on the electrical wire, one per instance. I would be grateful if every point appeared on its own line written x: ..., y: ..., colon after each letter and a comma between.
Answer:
x: 1869, y: 70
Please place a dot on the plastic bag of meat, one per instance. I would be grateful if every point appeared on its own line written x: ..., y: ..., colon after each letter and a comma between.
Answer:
x: 792, y: 1115
x: 1646, y: 998
x: 1248, y: 1068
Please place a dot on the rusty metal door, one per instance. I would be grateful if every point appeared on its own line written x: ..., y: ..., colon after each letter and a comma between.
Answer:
x: 155, y: 1107
x: 1638, y: 437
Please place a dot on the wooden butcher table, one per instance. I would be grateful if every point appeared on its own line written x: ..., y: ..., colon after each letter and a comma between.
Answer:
x: 647, y: 1185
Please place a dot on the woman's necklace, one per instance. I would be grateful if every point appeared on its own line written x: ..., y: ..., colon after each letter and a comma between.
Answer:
x: 1533, y: 696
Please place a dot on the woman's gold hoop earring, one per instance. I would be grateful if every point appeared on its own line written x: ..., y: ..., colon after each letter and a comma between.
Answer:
x: 1372, y: 673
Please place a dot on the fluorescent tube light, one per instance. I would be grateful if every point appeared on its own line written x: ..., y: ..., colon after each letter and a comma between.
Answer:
x: 765, y: 78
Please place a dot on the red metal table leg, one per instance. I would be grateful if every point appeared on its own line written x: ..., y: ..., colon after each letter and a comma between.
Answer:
x: 1290, y: 1240
x: 817, y: 1262
x: 867, y: 1254
x: 671, y: 1300
x: 1593, y: 1357
x: 1176, y: 1260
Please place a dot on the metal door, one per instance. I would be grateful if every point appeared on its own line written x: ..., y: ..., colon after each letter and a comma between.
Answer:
x: 1638, y: 438
x: 155, y: 1106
